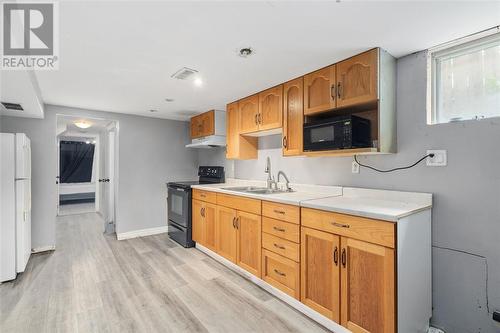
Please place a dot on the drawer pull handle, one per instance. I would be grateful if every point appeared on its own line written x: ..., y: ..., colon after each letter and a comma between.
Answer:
x: 279, y: 229
x: 279, y: 273
x: 202, y: 195
x: 234, y: 222
x: 277, y: 211
x: 340, y: 225
x: 279, y: 246
x: 336, y: 256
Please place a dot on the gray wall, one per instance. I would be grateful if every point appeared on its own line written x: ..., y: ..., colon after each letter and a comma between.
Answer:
x: 151, y: 152
x: 466, y: 213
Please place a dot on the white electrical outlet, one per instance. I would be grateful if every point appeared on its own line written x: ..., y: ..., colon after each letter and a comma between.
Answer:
x: 439, y: 158
x: 355, y: 167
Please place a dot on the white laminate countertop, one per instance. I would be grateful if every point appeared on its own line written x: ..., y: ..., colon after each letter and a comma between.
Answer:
x: 378, y: 204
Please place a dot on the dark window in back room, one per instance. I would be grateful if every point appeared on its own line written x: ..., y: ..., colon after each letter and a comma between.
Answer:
x: 75, y: 161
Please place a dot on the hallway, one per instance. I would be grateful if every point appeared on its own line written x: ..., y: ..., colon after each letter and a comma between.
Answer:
x: 94, y: 283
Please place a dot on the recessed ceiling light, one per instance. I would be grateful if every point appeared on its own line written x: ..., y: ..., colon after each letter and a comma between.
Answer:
x: 198, y: 82
x: 82, y: 124
x: 153, y: 110
x: 245, y: 52
x: 169, y: 100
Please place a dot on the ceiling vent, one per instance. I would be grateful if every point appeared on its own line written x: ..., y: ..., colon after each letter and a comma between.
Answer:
x: 12, y: 106
x: 184, y: 73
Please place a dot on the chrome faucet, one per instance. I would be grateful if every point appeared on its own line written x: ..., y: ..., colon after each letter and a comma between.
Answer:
x: 287, y: 181
x: 271, y: 183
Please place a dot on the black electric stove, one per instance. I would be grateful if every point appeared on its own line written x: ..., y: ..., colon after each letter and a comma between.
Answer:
x: 179, y: 203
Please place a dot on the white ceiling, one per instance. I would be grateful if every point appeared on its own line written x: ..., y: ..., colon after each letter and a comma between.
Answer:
x: 118, y: 56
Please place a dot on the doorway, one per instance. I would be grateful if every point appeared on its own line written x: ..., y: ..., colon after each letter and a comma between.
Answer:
x: 87, y: 167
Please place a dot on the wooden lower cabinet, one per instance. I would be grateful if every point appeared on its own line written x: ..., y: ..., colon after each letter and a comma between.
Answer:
x: 203, y: 223
x: 281, y: 273
x: 320, y: 272
x: 368, y: 288
x: 249, y: 242
x: 226, y: 233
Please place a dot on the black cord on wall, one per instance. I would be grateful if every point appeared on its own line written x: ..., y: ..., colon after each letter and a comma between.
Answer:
x: 395, y: 169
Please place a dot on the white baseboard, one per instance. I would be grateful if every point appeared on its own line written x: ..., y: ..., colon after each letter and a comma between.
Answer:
x: 43, y: 249
x: 294, y: 303
x: 141, y: 233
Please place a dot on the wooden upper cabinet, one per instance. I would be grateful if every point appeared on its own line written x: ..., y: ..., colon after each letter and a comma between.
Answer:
x: 249, y: 242
x: 368, y: 288
x: 319, y: 90
x: 238, y: 146
x: 270, y: 108
x: 357, y: 80
x: 249, y: 113
x: 293, y: 117
x: 203, y: 125
x: 320, y: 272
x: 226, y: 233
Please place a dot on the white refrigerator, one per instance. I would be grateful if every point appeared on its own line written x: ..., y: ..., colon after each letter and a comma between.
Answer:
x: 15, y: 204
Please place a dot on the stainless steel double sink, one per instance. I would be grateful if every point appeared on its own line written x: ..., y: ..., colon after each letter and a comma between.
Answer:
x: 255, y: 190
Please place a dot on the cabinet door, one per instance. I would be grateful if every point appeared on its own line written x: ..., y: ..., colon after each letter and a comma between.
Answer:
x: 226, y: 233
x: 249, y: 113
x: 232, y: 133
x: 320, y: 272
x: 293, y: 117
x: 368, y: 295
x: 357, y: 79
x: 319, y: 90
x: 197, y: 221
x: 207, y: 121
x: 249, y: 242
x: 270, y: 108
x: 195, y: 127
x: 209, y: 214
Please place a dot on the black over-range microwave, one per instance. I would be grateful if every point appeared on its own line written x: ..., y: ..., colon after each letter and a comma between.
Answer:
x: 342, y: 132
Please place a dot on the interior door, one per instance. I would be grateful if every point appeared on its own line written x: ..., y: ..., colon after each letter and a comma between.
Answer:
x: 320, y: 272
x: 293, y: 117
x: 368, y: 295
x: 249, y: 113
x: 110, y: 184
x: 226, y: 233
x: 271, y: 108
x: 23, y: 223
x: 249, y: 246
x: 197, y: 222
x: 319, y: 90
x: 357, y: 79
x: 209, y: 216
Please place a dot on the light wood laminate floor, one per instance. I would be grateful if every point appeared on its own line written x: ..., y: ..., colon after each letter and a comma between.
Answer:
x: 94, y: 283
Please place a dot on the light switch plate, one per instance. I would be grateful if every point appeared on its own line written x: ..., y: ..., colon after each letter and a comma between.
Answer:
x: 355, y: 167
x: 439, y: 159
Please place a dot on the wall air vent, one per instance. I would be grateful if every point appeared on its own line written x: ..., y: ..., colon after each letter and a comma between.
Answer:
x: 12, y: 106
x: 184, y: 73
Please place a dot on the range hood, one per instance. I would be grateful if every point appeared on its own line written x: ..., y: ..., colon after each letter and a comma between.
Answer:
x: 213, y: 130
x: 211, y: 141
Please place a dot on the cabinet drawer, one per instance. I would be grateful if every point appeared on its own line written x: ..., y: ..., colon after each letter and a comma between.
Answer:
x: 240, y: 203
x: 281, y: 246
x: 288, y: 231
x: 206, y: 196
x: 288, y: 213
x: 281, y: 273
x: 369, y: 230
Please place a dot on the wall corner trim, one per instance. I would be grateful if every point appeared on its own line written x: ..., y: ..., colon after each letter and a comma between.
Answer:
x: 141, y: 233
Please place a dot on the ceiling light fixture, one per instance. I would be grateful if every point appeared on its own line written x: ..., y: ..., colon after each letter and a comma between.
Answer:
x: 198, y: 82
x: 82, y: 124
x: 245, y: 52
x: 87, y: 142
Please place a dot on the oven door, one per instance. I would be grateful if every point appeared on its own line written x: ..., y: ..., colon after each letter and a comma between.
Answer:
x: 324, y: 136
x: 179, y: 205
